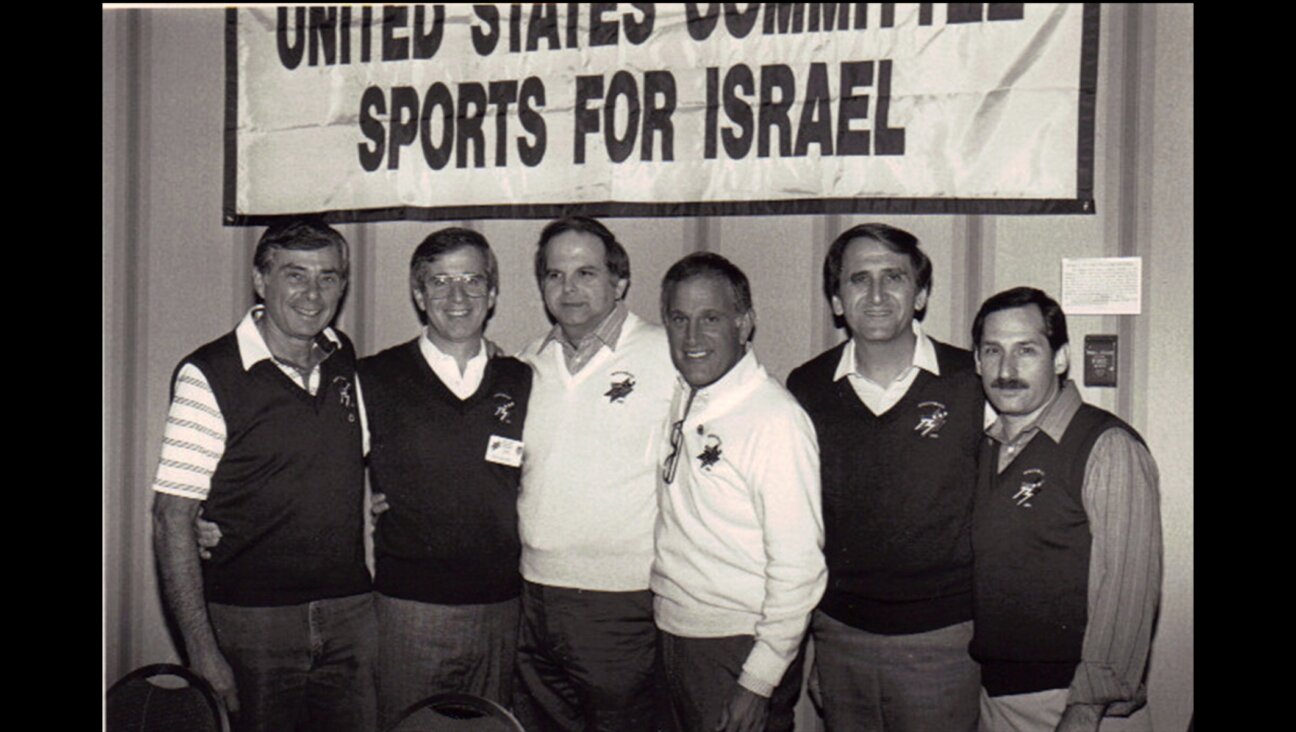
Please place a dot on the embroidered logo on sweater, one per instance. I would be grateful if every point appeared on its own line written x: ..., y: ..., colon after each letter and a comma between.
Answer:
x: 932, y: 417
x: 344, y: 396
x: 620, y: 389
x: 504, y: 410
x: 711, y: 453
x: 1032, y: 482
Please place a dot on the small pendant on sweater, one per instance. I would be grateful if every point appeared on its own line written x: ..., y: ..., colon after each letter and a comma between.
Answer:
x: 710, y: 453
x: 504, y: 407
x: 619, y: 390
x: 1032, y: 482
x: 931, y: 417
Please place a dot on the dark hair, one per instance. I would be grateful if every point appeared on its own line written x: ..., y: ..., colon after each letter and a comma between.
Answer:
x: 707, y: 264
x: 618, y: 262
x: 444, y: 241
x: 896, y: 240
x: 1055, y: 327
x: 306, y: 234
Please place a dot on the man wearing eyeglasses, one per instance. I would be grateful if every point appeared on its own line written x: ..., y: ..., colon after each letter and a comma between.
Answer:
x: 603, y: 379
x: 442, y: 426
x: 445, y: 447
x: 739, y: 562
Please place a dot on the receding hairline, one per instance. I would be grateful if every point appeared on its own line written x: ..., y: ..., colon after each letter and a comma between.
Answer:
x: 549, y: 243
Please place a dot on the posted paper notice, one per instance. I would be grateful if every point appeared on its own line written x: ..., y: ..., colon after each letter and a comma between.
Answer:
x: 1102, y: 286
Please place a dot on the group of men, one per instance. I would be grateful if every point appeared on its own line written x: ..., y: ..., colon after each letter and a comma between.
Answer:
x: 635, y: 527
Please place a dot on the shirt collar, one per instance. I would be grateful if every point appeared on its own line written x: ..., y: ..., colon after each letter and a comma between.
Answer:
x: 252, y: 346
x: 608, y: 332
x: 728, y: 390
x: 1052, y: 421
x: 924, y: 355
x: 433, y: 354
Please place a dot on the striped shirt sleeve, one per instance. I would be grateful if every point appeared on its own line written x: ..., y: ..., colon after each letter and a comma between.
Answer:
x: 193, y: 439
x: 1122, y: 502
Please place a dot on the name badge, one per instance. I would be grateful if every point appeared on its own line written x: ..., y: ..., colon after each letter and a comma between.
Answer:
x: 504, y: 451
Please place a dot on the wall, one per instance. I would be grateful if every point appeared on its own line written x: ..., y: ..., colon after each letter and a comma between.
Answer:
x: 174, y: 277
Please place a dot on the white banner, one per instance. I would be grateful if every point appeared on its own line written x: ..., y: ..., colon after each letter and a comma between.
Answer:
x: 541, y: 109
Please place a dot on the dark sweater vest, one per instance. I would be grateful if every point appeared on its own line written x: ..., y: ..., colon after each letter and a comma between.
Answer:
x: 288, y: 493
x: 1032, y: 543
x: 897, y: 503
x: 451, y: 535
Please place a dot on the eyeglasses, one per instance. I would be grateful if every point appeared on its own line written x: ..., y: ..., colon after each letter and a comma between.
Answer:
x: 474, y: 285
x: 676, y: 442
x: 672, y: 460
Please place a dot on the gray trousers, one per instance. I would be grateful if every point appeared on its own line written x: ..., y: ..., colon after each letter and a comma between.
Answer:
x: 915, y: 682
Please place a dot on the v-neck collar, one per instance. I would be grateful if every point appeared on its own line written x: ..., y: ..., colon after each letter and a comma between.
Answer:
x: 429, y: 377
x: 571, y: 381
x: 847, y: 393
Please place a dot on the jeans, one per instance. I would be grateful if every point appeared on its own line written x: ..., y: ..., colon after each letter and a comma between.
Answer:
x: 896, y: 683
x: 301, y: 667
x: 702, y: 673
x: 425, y: 648
x: 586, y: 660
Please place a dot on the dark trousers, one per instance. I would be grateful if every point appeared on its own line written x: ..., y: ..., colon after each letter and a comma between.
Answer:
x: 301, y: 667
x: 702, y: 674
x: 425, y: 648
x: 586, y: 660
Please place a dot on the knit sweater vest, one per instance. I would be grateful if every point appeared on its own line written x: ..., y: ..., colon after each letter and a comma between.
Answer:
x: 1032, y: 543
x: 897, y: 494
x: 450, y: 536
x: 589, y: 471
x: 288, y: 493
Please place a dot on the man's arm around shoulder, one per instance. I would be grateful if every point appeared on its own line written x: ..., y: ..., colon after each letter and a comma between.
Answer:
x: 176, y: 547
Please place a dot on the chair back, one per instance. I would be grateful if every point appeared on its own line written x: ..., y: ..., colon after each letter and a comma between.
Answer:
x: 164, y: 697
x: 454, y: 712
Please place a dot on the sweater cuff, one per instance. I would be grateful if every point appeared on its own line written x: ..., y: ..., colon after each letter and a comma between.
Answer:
x: 762, y: 670
x: 755, y: 685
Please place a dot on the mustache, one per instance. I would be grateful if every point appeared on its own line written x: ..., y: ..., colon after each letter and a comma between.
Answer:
x: 1002, y: 383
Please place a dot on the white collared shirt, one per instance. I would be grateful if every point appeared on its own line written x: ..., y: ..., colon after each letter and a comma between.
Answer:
x: 878, y: 397
x: 463, y: 385
x: 253, y: 350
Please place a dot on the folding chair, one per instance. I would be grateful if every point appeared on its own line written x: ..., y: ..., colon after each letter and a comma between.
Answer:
x: 453, y: 712
x: 164, y: 697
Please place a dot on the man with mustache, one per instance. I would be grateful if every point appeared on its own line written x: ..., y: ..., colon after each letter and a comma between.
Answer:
x: 1066, y: 532
x: 898, y: 417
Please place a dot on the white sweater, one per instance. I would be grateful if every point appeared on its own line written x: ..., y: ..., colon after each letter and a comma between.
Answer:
x: 590, y: 462
x: 740, y: 532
